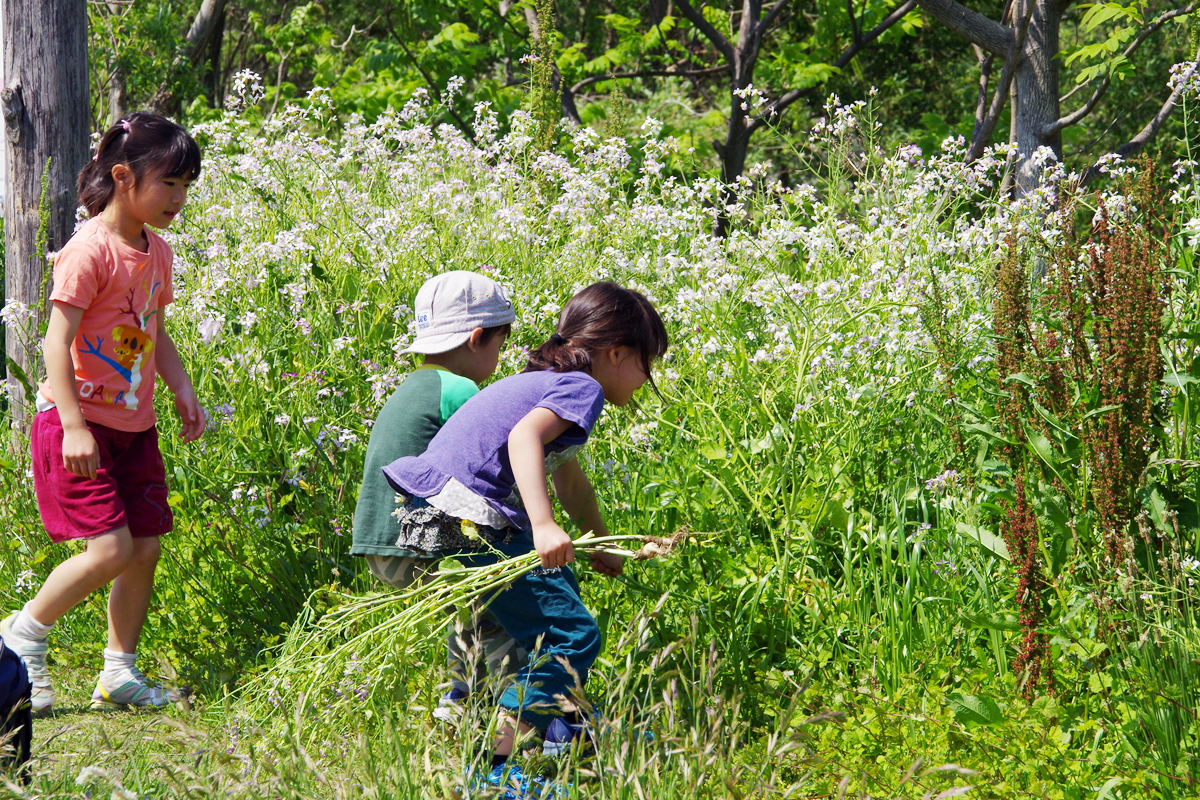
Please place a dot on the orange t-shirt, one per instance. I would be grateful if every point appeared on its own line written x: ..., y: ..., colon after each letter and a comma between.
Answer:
x: 121, y: 291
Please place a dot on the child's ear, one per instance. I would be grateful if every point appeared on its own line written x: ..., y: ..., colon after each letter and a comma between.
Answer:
x: 123, y: 177
x: 475, y: 340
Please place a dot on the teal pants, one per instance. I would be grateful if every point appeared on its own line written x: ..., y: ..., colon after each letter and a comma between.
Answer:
x: 543, y: 612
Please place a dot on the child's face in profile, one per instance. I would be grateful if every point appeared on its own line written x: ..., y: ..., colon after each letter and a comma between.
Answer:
x: 485, y: 356
x: 620, y: 374
x: 154, y: 199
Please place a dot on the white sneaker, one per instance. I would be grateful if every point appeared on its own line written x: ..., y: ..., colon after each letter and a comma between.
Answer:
x: 33, y: 653
x: 450, y: 706
x: 135, y: 690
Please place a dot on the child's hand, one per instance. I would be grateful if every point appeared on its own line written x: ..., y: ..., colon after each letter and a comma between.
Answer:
x: 553, y: 545
x: 190, y: 414
x: 609, y: 564
x: 80, y: 455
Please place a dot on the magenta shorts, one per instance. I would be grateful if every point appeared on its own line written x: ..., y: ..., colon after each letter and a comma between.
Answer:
x: 130, y: 488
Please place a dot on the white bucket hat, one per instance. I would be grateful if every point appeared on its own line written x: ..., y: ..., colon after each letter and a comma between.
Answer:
x: 451, y: 305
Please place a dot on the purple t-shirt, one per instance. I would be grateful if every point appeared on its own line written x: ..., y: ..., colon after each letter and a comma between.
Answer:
x: 472, y: 447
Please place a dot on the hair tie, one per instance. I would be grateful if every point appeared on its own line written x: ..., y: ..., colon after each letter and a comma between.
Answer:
x: 125, y: 125
x: 557, y: 338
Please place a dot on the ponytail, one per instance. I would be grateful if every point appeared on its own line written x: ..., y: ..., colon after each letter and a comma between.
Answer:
x: 147, y: 144
x: 602, y: 316
x: 560, y: 355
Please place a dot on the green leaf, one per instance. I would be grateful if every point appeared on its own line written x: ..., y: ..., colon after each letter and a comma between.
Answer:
x: 713, y: 451
x: 1052, y: 420
x: 972, y: 709
x: 1021, y: 377
x: 1179, y: 380
x: 993, y: 622
x: 1044, y: 450
x: 1100, y: 13
x: 1108, y: 790
x: 1095, y: 412
x: 985, y: 538
x: 22, y: 378
x: 988, y: 431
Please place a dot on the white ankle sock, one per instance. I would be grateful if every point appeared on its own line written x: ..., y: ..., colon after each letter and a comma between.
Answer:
x: 116, y: 668
x: 26, y: 627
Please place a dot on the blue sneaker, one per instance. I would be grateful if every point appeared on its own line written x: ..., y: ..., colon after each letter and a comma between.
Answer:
x: 449, y: 707
x: 519, y: 786
x: 561, y: 735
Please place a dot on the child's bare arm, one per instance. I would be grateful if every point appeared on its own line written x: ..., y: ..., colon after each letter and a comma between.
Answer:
x: 172, y: 371
x: 527, y: 457
x: 578, y: 499
x: 80, y: 455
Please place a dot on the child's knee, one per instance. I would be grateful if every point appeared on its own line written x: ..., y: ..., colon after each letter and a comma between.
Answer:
x: 111, y: 553
x: 589, y: 642
x: 145, y: 553
x: 399, y: 572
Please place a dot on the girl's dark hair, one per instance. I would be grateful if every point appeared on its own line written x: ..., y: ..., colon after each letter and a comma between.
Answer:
x: 602, y: 316
x: 147, y: 144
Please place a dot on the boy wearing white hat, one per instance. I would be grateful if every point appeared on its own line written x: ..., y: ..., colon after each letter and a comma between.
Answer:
x: 462, y: 320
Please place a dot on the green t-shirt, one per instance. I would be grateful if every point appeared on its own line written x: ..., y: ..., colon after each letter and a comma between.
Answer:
x: 416, y: 411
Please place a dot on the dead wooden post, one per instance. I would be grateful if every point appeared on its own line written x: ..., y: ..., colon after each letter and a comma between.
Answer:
x: 45, y: 109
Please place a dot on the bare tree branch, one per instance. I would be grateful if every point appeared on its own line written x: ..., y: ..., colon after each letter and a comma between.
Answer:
x: 971, y: 25
x: 649, y: 73
x: 463, y: 125
x: 571, y: 111
x: 1079, y: 114
x: 777, y: 107
x: 712, y: 34
x: 985, y: 76
x: 1143, y: 137
x: 983, y: 132
x: 772, y: 13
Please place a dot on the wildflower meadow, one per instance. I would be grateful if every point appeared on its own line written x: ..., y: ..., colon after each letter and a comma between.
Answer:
x: 903, y: 562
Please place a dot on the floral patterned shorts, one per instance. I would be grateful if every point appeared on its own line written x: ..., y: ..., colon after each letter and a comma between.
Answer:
x: 428, y: 529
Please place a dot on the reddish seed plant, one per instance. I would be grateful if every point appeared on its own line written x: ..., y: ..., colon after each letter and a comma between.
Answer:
x: 1126, y: 290
x: 1020, y: 530
x: 1087, y: 343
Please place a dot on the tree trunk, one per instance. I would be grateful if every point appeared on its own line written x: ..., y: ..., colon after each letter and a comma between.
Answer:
x: 213, y: 83
x: 116, y: 95
x: 45, y: 104
x: 733, y: 150
x: 196, y: 42
x: 1036, y: 80
x: 737, y: 135
x: 116, y: 81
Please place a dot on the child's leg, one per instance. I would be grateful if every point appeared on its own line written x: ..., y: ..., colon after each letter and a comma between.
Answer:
x: 480, y: 650
x: 400, y: 572
x: 106, y: 557
x: 69, y: 584
x: 129, y: 599
x: 121, y: 683
x: 543, y: 612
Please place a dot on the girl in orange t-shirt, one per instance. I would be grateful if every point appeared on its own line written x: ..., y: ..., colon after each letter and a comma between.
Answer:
x: 97, y: 469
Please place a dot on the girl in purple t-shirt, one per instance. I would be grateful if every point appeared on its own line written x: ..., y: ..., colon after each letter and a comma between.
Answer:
x: 488, y: 466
